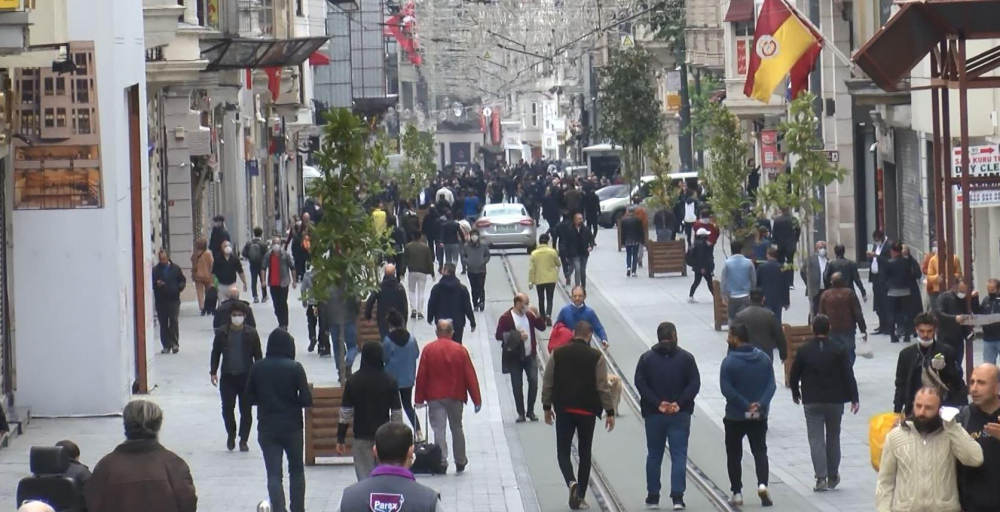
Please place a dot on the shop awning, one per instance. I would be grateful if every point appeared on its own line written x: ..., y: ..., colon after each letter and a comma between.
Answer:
x: 319, y: 59
x: 916, y: 29
x: 739, y: 11
x: 243, y: 53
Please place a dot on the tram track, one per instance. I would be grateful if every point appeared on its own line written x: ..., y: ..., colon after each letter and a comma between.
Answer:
x: 605, y: 495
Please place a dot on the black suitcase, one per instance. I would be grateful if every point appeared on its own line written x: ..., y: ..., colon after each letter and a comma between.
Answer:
x: 211, y: 300
x: 427, y: 456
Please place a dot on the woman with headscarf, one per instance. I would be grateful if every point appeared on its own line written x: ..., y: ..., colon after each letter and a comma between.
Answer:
x: 371, y: 399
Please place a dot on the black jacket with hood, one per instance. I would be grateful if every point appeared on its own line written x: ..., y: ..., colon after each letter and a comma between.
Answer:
x: 450, y: 299
x: 390, y: 296
x: 371, y: 397
x: 278, y: 386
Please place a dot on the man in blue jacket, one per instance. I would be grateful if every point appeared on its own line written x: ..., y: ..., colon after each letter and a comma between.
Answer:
x: 667, y: 379
x: 572, y: 313
x: 746, y: 379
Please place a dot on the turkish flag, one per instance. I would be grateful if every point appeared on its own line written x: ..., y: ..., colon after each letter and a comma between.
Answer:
x: 273, y: 81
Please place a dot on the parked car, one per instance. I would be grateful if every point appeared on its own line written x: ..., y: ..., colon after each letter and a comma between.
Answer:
x: 507, y: 225
x: 615, y: 198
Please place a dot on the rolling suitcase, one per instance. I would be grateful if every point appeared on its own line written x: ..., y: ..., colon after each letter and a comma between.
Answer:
x: 427, y: 456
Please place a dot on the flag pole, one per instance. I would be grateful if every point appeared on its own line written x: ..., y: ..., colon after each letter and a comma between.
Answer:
x: 832, y: 47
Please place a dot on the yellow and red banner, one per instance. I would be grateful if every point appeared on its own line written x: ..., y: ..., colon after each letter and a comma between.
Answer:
x: 783, y: 44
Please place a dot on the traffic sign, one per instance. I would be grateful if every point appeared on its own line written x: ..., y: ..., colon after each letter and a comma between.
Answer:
x: 486, y: 56
x: 627, y: 41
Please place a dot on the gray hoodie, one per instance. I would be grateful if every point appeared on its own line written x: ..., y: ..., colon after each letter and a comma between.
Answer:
x: 476, y: 255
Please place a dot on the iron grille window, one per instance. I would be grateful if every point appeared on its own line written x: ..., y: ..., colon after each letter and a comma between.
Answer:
x: 256, y: 18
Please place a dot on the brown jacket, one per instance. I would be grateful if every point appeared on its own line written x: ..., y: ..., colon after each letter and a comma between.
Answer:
x: 141, y: 476
x: 843, y: 308
x: 201, y: 266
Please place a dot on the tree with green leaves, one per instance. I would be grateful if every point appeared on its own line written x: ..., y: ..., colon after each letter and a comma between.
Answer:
x: 418, y: 167
x: 630, y: 113
x: 726, y: 174
x: 347, y: 248
x: 796, y: 189
x: 662, y: 191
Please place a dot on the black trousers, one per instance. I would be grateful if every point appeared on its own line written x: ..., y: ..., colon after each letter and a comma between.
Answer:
x: 233, y: 387
x: 900, y: 323
x: 478, y: 284
x: 279, y: 298
x: 254, y: 277
x: 459, y: 332
x: 881, y: 304
x: 756, y: 432
x: 435, y: 255
x: 582, y: 425
x: 528, y: 367
x: 166, y: 314
x: 406, y: 398
x: 592, y: 225
x: 311, y: 320
x: 697, y: 281
x: 546, y: 291
x: 301, y: 256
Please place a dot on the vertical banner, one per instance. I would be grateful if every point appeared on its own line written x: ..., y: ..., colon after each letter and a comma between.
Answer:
x: 496, y: 126
x: 770, y: 157
x: 741, y: 57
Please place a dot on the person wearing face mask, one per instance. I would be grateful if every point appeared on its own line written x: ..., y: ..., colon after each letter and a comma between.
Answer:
x: 391, y: 483
x: 516, y: 332
x: 668, y: 381
x: 812, y: 276
x: 227, y: 267
x: 278, y: 273
x: 953, y: 307
x: 476, y: 255
x: 927, y: 361
x: 900, y: 275
x: 236, y: 347
x: 577, y: 310
x: 879, y: 255
x: 991, y: 332
x: 226, y: 308
x: 918, y: 470
x: 218, y: 235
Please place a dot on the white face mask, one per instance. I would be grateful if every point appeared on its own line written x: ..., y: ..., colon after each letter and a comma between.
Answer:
x: 228, y: 250
x: 475, y: 238
x: 822, y: 252
x: 960, y: 295
x: 298, y: 223
x: 276, y: 247
x: 925, y: 343
x: 237, y: 320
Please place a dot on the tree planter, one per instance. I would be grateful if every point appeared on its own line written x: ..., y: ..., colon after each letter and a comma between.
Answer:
x: 795, y: 337
x: 721, y: 312
x: 666, y: 257
x: 322, y: 421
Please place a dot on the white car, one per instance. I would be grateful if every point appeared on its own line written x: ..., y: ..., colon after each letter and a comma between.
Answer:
x: 615, y: 198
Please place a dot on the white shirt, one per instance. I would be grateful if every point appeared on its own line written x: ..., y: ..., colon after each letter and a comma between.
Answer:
x: 876, y: 252
x: 822, y: 270
x: 521, y: 323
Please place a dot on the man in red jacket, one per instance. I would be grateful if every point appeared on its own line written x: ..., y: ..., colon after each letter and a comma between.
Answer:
x: 445, y: 381
x: 516, y: 333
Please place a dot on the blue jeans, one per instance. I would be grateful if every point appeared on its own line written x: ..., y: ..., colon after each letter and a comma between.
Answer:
x: 350, y: 344
x: 847, y: 339
x: 664, y: 235
x: 991, y: 348
x: 631, y: 257
x: 274, y: 445
x: 662, y: 429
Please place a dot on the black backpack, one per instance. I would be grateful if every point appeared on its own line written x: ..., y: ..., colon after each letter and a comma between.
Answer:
x: 256, y: 251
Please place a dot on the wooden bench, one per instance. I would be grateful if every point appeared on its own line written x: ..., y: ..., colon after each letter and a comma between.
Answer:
x: 322, y: 420
x: 720, y: 309
x: 795, y: 337
x: 666, y: 257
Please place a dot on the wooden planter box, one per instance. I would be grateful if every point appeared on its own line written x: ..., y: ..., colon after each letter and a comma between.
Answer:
x: 367, y: 329
x: 721, y: 312
x: 321, y: 424
x: 666, y: 257
x: 795, y: 337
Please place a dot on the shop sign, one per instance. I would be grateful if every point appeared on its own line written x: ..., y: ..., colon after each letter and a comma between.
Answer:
x: 984, y: 161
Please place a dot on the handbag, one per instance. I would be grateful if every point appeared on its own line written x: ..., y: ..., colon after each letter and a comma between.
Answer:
x: 427, y: 456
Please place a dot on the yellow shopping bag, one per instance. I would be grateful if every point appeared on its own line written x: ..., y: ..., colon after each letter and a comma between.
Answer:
x: 878, y: 427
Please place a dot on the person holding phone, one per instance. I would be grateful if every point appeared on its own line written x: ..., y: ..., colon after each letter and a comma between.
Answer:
x: 746, y: 379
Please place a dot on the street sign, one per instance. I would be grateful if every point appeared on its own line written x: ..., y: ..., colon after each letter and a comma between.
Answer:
x: 832, y: 155
x: 673, y: 80
x: 487, y: 112
x: 10, y: 5
x: 627, y: 41
x: 673, y: 101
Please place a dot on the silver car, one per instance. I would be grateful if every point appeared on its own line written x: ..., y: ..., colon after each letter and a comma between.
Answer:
x: 507, y: 225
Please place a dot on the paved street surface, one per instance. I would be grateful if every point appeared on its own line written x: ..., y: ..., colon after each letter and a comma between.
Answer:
x: 512, y: 467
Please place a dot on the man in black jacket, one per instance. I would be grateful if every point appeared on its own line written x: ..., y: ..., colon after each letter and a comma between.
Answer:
x: 168, y: 283
x: 848, y: 270
x: 278, y: 386
x: 823, y: 366
x: 899, y: 275
x: 785, y: 234
x: 575, y: 393
x: 633, y: 236
x: 592, y: 208
x: 237, y: 345
x: 391, y: 296
x: 765, y: 329
x: 977, y: 487
x: 771, y: 279
x: 879, y: 257
x: 991, y: 332
x: 450, y: 300
x: 371, y: 399
x: 928, y: 359
x: 224, y: 309
x: 575, y: 244
x: 953, y: 305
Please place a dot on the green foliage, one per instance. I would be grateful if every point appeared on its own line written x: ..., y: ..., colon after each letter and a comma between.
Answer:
x: 795, y: 190
x: 726, y: 175
x: 702, y: 113
x: 630, y: 113
x: 667, y: 22
x: 662, y: 193
x: 346, y: 246
x: 417, y: 167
